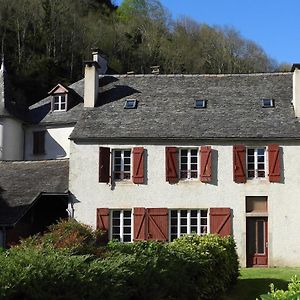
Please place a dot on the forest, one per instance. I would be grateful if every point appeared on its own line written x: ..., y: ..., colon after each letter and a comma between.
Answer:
x: 46, y: 41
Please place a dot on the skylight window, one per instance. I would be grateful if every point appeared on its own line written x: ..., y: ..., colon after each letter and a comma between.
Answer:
x: 267, y: 102
x: 200, y: 103
x: 130, y: 104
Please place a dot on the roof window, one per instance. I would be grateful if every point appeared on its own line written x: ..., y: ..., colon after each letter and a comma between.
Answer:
x: 130, y: 104
x: 267, y: 102
x: 200, y: 103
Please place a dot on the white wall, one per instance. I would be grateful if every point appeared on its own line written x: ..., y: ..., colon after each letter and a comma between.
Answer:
x: 11, y: 139
x: 283, y: 198
x: 57, y: 143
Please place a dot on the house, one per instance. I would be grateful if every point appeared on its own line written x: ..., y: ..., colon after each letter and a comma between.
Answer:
x: 157, y: 156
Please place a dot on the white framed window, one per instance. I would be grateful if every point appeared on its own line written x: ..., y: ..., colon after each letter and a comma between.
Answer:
x: 187, y: 221
x: 121, y: 164
x: 256, y: 162
x: 60, y: 102
x: 121, y: 225
x: 188, y: 163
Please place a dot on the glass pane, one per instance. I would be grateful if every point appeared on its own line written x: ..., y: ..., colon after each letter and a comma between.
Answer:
x: 116, y: 237
x: 127, y: 222
x: 203, y: 213
x: 183, y: 230
x: 118, y: 153
x: 260, y: 237
x: 127, y: 213
x: 117, y: 168
x: 261, y: 173
x: 203, y: 229
x: 250, y: 166
x: 194, y: 152
x: 127, y: 229
x: 194, y: 222
x: 127, y: 168
x: 261, y: 158
x: 127, y: 153
x: 194, y: 160
x: 117, y: 160
x: 127, y: 238
x: 56, y: 107
x: 63, y: 106
x: 183, y: 167
x: 174, y: 229
x: 251, y: 159
x: 116, y: 214
x: 183, y: 152
x: 183, y: 213
x: 183, y: 221
x: 260, y: 151
x: 194, y: 174
x: 194, y: 213
x: 173, y: 237
x: 173, y: 221
x: 184, y: 160
x: 173, y: 213
x: 250, y: 151
x: 116, y: 230
x: 116, y: 222
x: 203, y: 221
x: 126, y: 175
x: 250, y: 174
x: 193, y: 229
x: 261, y: 166
x: 127, y: 161
x: 117, y: 175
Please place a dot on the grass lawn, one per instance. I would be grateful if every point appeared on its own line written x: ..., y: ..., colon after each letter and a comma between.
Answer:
x: 255, y: 281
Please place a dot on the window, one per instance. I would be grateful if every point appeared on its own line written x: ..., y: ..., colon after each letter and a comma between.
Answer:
x: 130, y: 103
x: 59, y: 102
x: 187, y: 222
x: 267, y: 103
x: 39, y: 142
x: 121, y: 225
x: 256, y: 162
x: 188, y: 163
x: 200, y: 103
x: 121, y: 164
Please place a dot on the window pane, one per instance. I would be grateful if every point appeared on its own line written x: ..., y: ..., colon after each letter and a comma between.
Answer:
x: 261, y: 166
x: 260, y: 151
x: 116, y: 222
x: 126, y: 175
x: 194, y: 213
x: 183, y: 152
x: 173, y: 229
x: 127, y: 168
x: 127, y: 222
x: 117, y: 153
x: 251, y: 159
x: 194, y: 152
x: 183, y: 175
x: 194, y: 174
x: 193, y: 167
x: 174, y: 213
x: 127, y: 213
x: 183, y: 230
x: 203, y: 221
x: 117, y: 168
x: 173, y: 222
x: 203, y: 213
x: 261, y: 173
x: 250, y: 151
x: 127, y: 238
x: 183, y: 167
x: 250, y: 166
x: 116, y: 230
x: 184, y: 160
x: 183, y: 221
x: 117, y: 175
x: 127, y: 153
x: 194, y: 229
x: 250, y: 174
x: 261, y: 158
x: 194, y: 160
x: 116, y: 214
x: 127, y: 161
x: 63, y: 106
x: 194, y: 222
x: 127, y: 230
x: 183, y: 213
x: 116, y: 237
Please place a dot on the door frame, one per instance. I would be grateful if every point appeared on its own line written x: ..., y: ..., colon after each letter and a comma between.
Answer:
x: 257, y: 260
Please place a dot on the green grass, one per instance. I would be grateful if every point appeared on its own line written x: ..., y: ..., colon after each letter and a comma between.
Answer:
x: 256, y: 281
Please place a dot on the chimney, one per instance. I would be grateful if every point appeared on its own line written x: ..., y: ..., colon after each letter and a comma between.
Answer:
x: 296, y: 89
x: 92, y: 70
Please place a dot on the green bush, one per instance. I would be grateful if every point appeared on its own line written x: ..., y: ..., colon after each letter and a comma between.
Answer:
x: 47, y: 267
x: 292, y: 293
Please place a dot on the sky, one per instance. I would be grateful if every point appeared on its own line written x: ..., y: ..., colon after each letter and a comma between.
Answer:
x: 272, y: 24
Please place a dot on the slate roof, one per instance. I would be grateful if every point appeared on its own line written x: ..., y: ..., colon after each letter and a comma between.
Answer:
x: 21, y: 182
x: 166, y: 108
x: 40, y: 111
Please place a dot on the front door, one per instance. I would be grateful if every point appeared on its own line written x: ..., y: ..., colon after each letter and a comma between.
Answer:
x: 257, y: 241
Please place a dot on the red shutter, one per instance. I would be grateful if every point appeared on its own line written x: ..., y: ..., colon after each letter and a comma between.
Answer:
x: 220, y: 221
x: 138, y: 165
x: 171, y: 165
x: 103, y: 222
x: 205, y: 165
x: 158, y: 224
x: 239, y: 163
x: 140, y: 224
x: 274, y: 163
x: 104, y: 163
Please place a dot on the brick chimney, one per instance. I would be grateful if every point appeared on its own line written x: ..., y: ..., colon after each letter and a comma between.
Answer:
x: 296, y: 89
x: 92, y: 70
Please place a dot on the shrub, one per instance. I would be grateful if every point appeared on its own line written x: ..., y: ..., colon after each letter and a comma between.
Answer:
x: 69, y: 234
x: 292, y: 293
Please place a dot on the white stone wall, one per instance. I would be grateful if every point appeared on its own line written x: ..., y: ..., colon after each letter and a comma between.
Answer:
x: 11, y: 139
x: 57, y: 143
x: 283, y: 198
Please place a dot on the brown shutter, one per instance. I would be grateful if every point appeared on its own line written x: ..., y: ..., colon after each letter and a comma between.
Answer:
x: 104, y: 163
x: 205, y: 165
x: 274, y: 163
x: 138, y: 165
x: 39, y: 142
x: 239, y: 163
x: 171, y: 165
x: 140, y: 224
x: 103, y: 222
x: 158, y: 224
x: 220, y: 221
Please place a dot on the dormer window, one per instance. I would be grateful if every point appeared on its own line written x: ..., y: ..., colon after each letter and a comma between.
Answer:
x: 267, y: 102
x: 200, y: 103
x: 130, y: 104
x: 60, y: 102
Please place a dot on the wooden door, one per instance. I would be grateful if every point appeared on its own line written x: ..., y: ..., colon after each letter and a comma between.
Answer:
x: 257, y: 241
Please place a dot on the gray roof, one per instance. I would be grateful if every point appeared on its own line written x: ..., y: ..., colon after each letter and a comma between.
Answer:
x: 40, y: 112
x: 21, y: 183
x: 166, y: 108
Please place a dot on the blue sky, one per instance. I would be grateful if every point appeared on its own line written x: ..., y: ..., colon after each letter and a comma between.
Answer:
x: 272, y: 24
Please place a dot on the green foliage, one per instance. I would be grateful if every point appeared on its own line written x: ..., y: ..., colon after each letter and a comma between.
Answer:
x: 292, y: 293
x: 49, y: 267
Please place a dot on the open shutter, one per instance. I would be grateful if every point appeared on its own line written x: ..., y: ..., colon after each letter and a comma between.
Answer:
x: 104, y: 163
x: 157, y: 224
x: 220, y: 221
x: 171, y: 165
x: 239, y: 163
x: 205, y: 163
x: 103, y: 222
x: 274, y: 163
x: 140, y: 224
x: 138, y: 165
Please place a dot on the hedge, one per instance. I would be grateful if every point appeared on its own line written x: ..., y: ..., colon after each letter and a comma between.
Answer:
x: 191, y: 267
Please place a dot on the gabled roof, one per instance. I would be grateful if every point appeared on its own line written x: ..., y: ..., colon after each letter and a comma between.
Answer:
x: 166, y: 110
x: 22, y: 182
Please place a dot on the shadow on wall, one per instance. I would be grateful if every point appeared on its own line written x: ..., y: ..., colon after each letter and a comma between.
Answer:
x: 53, y: 148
